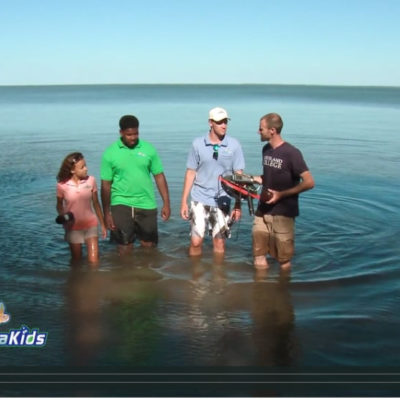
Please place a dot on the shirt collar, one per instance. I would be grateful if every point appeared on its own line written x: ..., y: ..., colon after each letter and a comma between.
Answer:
x: 207, y: 142
x: 71, y: 182
x: 122, y: 145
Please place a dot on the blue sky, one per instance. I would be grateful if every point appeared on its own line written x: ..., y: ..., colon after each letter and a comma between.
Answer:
x: 333, y: 42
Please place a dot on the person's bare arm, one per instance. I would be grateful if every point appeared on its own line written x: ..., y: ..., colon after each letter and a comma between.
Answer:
x: 190, y: 175
x: 60, y: 206
x: 97, y: 209
x: 106, y: 202
x: 306, y: 183
x: 162, y: 187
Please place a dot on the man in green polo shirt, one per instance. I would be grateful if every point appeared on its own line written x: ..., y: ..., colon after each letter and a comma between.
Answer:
x: 127, y: 194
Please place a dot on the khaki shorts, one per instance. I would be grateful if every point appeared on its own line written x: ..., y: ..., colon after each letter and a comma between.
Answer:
x: 80, y: 236
x: 208, y: 219
x: 274, y: 235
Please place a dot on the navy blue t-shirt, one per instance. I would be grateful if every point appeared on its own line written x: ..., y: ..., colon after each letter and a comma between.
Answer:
x: 282, y: 169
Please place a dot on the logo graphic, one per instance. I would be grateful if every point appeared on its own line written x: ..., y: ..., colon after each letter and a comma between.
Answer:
x: 3, y: 316
x: 22, y: 337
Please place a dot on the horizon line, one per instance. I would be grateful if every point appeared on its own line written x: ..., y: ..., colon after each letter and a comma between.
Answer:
x: 197, y: 84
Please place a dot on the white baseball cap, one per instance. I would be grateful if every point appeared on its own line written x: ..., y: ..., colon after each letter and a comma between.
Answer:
x: 218, y: 114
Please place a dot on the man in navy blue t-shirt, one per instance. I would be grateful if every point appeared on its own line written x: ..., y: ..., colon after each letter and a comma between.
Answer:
x: 285, y: 176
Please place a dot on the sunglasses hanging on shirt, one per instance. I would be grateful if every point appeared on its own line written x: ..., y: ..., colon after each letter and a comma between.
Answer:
x: 215, y: 154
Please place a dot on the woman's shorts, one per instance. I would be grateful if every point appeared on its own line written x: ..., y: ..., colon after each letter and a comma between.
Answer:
x: 132, y: 223
x: 208, y: 219
x: 274, y: 235
x: 80, y: 236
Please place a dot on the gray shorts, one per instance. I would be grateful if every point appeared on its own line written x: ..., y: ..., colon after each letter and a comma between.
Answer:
x: 209, y: 219
x: 80, y: 236
x: 132, y: 223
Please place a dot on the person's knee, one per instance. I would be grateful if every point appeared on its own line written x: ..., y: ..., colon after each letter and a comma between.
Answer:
x: 285, y: 264
x: 195, y: 246
x: 196, y: 241
x: 219, y: 245
x: 260, y: 262
x: 92, y: 250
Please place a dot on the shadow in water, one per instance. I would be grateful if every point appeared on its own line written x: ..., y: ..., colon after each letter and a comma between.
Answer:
x: 273, y: 321
x: 262, y: 326
x: 84, y: 329
x: 136, y: 316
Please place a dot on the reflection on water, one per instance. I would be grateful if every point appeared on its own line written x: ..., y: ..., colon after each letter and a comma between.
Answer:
x: 84, y: 332
x: 137, y: 316
x: 273, y: 321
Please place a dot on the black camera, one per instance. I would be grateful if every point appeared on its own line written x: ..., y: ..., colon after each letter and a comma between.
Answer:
x: 63, y: 219
x: 224, y: 204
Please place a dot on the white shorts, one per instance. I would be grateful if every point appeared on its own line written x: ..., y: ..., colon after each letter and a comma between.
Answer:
x: 209, y: 218
x: 80, y: 236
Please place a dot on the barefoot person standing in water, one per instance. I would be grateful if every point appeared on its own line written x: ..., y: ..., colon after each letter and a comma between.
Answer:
x: 210, y: 156
x: 285, y: 176
x: 76, y: 194
x: 127, y: 193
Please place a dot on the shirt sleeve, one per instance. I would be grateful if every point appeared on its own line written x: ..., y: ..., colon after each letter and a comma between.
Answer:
x: 193, y: 158
x: 299, y: 165
x: 156, y: 164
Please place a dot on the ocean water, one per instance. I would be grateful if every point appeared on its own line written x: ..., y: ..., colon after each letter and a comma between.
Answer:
x: 338, y: 307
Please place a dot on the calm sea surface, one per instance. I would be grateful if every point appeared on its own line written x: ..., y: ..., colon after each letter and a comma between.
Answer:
x: 339, y: 306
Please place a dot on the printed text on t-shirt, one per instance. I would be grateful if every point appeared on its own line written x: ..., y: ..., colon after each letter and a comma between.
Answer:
x: 273, y: 162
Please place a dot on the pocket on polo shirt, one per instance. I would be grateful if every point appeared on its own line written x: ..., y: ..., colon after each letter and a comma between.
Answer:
x: 226, y: 160
x: 225, y: 156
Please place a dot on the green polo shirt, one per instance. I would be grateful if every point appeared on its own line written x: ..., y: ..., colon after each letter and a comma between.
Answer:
x: 130, y: 172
